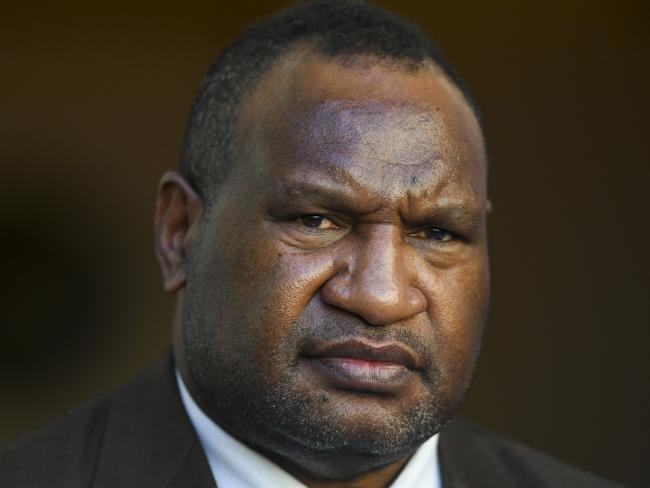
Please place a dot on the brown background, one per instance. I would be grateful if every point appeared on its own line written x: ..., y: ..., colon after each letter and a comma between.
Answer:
x: 94, y: 98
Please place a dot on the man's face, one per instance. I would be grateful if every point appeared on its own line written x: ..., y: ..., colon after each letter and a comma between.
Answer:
x: 337, y: 286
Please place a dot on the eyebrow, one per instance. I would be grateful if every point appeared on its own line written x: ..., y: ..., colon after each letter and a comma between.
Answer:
x: 452, y: 209
x: 331, y: 195
x: 452, y: 214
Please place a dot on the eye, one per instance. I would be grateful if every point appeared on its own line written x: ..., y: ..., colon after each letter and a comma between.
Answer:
x: 434, y: 234
x: 317, y: 222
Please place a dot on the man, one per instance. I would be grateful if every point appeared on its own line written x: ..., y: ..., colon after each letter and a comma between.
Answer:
x: 326, y: 241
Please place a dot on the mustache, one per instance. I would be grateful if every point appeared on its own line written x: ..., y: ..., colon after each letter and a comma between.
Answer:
x: 309, y: 331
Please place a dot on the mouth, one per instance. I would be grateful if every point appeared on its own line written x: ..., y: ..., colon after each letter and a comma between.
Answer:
x: 363, y: 366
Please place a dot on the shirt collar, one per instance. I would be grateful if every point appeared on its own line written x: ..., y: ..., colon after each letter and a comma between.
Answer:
x: 235, y: 465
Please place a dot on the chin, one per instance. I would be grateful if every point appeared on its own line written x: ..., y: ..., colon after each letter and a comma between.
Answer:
x: 346, y: 448
x: 332, y: 429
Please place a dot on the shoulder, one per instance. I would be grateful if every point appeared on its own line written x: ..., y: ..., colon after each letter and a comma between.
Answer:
x: 59, y: 453
x: 137, y: 436
x: 507, y: 462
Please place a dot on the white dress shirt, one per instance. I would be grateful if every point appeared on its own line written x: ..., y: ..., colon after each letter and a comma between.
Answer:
x: 235, y: 465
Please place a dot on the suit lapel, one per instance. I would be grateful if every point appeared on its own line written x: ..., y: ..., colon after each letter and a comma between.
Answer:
x: 194, y: 472
x: 149, y: 441
x: 466, y: 461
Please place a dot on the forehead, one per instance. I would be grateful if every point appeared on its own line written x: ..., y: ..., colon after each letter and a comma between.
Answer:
x: 317, y: 116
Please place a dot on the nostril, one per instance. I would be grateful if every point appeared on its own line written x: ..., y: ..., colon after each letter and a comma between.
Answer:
x: 377, y: 303
x: 336, y: 291
x: 417, y: 300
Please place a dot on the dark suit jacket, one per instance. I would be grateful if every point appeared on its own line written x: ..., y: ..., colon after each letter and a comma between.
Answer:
x: 141, y: 437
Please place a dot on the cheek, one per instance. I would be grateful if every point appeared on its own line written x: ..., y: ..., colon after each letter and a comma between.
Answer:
x: 297, y: 279
x: 256, y: 289
x: 229, y: 278
x: 457, y: 310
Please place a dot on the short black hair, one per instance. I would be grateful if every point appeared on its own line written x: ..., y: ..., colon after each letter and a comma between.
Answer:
x: 335, y: 28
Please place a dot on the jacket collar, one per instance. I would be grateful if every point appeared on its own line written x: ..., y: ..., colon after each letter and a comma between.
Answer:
x: 148, y: 439
x: 467, y: 460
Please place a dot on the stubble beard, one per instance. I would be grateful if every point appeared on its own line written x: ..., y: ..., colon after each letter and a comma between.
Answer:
x: 274, y: 413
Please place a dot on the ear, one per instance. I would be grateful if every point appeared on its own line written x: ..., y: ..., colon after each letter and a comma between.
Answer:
x: 178, y: 211
x: 489, y: 207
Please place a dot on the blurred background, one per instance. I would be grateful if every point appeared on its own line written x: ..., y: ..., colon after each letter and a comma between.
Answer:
x: 94, y: 97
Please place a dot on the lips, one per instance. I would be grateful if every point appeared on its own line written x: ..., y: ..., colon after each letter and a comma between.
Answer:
x: 358, y: 364
x: 391, y: 353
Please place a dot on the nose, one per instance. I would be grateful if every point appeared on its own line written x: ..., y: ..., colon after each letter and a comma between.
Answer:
x: 377, y: 279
